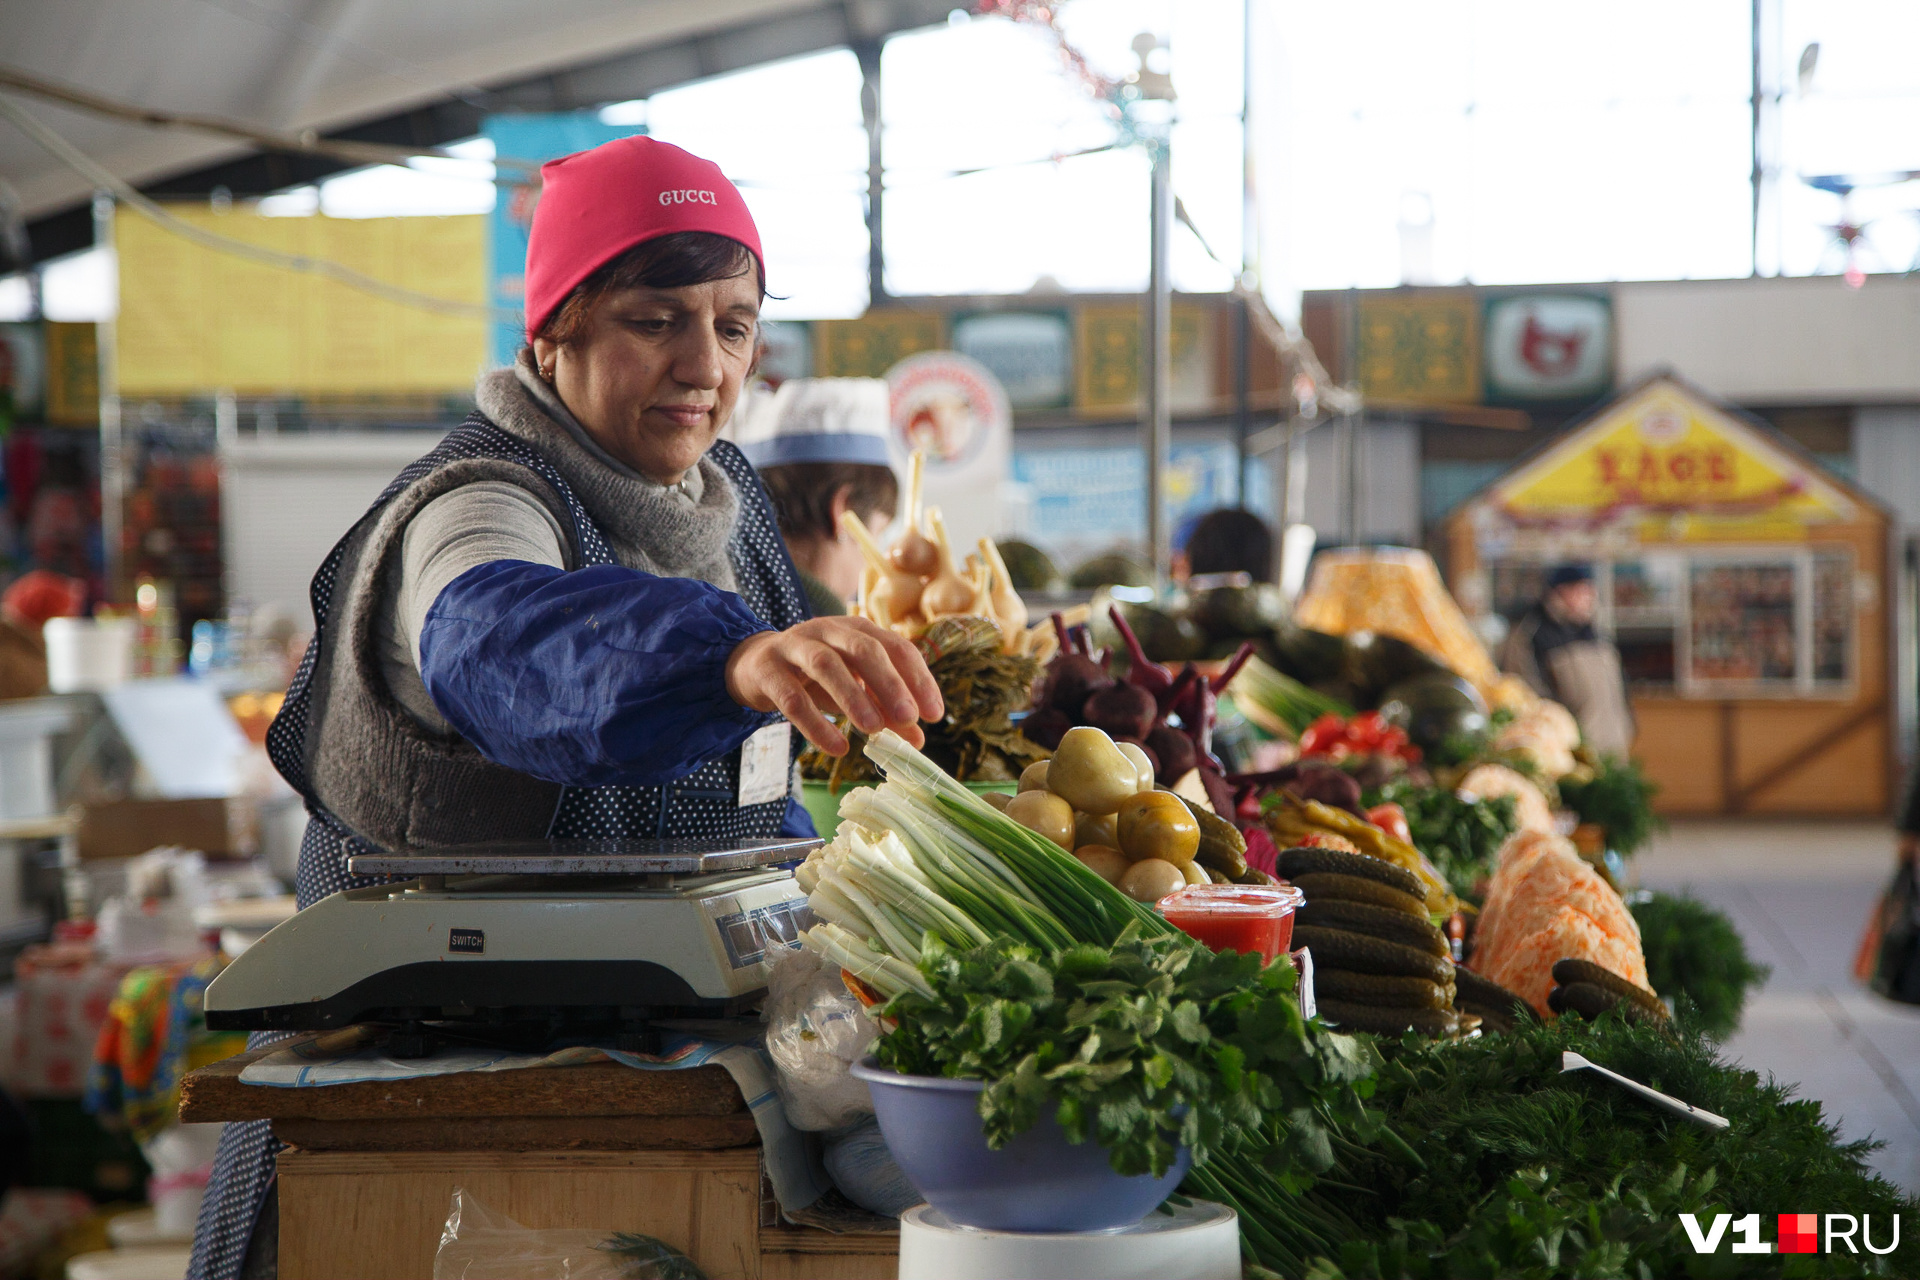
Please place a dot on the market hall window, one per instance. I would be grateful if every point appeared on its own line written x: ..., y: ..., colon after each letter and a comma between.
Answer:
x: 1712, y: 624
x: 1774, y: 624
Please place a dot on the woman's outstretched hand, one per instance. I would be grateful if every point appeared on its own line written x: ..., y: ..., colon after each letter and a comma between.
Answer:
x: 847, y: 666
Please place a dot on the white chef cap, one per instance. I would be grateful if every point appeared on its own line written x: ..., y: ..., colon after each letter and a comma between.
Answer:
x: 814, y: 420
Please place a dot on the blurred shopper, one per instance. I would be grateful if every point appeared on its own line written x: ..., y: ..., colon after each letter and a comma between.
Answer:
x: 1231, y: 540
x: 1888, y: 959
x: 1556, y: 650
x: 820, y: 445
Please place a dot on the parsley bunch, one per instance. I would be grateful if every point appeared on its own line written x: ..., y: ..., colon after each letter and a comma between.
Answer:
x: 1531, y: 1172
x: 1619, y: 799
x: 1460, y: 837
x: 1144, y: 1046
x: 1694, y: 950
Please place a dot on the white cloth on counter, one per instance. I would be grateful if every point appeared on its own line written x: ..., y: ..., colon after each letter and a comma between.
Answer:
x: 792, y: 1161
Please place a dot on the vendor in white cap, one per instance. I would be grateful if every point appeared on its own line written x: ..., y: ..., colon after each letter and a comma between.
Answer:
x: 820, y: 445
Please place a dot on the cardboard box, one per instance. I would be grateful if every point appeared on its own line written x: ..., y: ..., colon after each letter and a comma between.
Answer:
x: 128, y: 828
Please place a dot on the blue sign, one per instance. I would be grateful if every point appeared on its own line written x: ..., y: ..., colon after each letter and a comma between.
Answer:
x: 1089, y: 499
x: 536, y: 138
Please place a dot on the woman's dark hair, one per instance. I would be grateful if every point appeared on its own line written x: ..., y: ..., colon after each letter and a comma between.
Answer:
x: 670, y: 262
x: 1231, y: 540
x: 802, y: 494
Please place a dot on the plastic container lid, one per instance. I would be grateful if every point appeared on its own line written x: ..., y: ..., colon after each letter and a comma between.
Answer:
x: 1233, y: 900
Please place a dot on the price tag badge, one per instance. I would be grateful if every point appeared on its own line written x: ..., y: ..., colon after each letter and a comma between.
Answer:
x: 764, y: 764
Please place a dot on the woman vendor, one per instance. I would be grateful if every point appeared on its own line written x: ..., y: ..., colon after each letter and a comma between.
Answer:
x: 569, y: 617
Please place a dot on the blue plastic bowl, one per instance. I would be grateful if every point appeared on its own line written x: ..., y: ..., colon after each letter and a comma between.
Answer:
x: 1037, y: 1182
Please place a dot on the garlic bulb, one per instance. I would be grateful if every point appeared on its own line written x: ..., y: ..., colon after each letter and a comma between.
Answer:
x: 898, y: 593
x: 946, y: 593
x: 913, y: 552
x: 1008, y: 607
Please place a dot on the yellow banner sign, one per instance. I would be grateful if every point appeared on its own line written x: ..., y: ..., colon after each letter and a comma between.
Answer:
x: 194, y: 319
x: 1665, y: 453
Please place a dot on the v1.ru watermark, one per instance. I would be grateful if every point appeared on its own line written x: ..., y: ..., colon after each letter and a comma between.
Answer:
x: 1799, y: 1233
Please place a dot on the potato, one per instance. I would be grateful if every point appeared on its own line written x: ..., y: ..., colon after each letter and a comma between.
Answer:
x: 1155, y: 824
x: 1194, y: 872
x: 1034, y: 776
x: 1150, y: 880
x: 1090, y: 773
x: 1109, y: 864
x: 1046, y: 813
x: 1088, y: 829
x: 1142, y: 764
x: 998, y: 799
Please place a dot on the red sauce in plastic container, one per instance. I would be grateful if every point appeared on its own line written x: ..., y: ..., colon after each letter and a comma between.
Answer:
x: 1236, y: 917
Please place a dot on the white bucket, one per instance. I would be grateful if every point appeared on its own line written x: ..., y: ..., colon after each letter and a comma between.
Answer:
x: 86, y: 655
x: 1198, y: 1242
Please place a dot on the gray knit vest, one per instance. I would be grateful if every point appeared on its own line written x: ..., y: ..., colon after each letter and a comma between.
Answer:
x: 369, y: 769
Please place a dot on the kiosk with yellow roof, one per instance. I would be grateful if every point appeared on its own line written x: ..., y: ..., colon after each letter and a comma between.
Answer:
x: 1745, y: 585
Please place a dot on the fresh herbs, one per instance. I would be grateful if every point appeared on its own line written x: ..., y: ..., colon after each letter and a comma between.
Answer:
x: 1694, y: 951
x: 1460, y: 837
x: 1144, y: 1046
x: 1619, y: 799
x: 982, y: 685
x: 1529, y: 1172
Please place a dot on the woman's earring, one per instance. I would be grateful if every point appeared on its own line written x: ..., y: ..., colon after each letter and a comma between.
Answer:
x: 546, y: 374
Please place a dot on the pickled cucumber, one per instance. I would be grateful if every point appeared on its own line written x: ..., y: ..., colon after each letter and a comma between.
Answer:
x: 1488, y: 999
x: 1379, y: 922
x: 1293, y: 863
x: 1340, y: 949
x: 1389, y: 990
x: 1388, y: 1021
x: 1222, y: 847
x: 1318, y: 885
x: 1569, y: 971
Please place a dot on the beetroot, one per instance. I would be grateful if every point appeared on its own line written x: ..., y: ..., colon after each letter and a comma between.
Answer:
x: 1328, y: 785
x: 1219, y: 794
x: 1121, y: 711
x: 1046, y: 727
x: 1072, y: 678
x: 1174, y: 750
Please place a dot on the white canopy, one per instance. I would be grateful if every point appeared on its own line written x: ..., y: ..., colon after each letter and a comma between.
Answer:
x: 329, y: 64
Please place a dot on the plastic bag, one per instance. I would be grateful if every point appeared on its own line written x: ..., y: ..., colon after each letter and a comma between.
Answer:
x: 815, y: 1031
x: 479, y: 1244
x: 863, y: 1169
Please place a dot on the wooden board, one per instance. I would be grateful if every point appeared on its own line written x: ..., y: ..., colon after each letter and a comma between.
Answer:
x: 802, y: 1253
x: 214, y: 1092
x: 523, y: 1133
x: 379, y: 1215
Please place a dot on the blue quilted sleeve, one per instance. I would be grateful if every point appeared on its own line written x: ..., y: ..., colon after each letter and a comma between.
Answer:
x: 589, y: 677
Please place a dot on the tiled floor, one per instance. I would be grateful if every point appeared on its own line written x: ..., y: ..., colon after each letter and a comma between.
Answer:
x: 1800, y: 893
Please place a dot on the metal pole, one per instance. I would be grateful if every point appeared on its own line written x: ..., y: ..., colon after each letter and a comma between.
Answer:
x: 1157, y: 350
x: 1242, y: 397
x: 1289, y: 510
x: 1759, y: 173
x: 1249, y: 200
x: 1350, y: 449
x: 113, y: 463
x: 868, y: 52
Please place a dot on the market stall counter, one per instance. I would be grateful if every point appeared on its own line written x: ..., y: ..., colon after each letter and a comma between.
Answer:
x: 372, y: 1166
x: 1745, y: 585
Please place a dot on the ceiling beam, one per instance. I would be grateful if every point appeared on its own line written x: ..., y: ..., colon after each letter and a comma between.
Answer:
x: 637, y: 74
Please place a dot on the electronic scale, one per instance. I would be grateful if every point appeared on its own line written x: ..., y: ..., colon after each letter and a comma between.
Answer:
x: 528, y: 940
